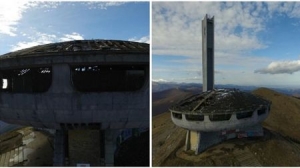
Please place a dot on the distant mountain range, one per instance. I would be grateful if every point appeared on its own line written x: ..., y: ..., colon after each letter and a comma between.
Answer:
x: 196, y: 87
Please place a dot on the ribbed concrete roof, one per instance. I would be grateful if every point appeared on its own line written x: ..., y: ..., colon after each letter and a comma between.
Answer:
x: 78, y: 46
x: 220, y: 101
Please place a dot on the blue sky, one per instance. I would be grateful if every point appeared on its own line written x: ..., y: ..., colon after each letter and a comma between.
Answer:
x: 256, y: 43
x: 24, y: 24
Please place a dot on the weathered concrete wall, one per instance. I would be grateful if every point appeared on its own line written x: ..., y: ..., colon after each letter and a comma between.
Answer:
x: 208, y: 126
x: 199, y: 141
x: 208, y: 53
x: 63, y: 104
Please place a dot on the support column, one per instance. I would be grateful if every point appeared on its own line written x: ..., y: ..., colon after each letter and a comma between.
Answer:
x: 59, y: 148
x: 200, y: 141
x: 110, y: 146
x: 61, y: 79
x: 187, y: 140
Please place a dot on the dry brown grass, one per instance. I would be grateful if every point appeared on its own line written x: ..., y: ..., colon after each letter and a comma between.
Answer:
x: 166, y: 137
x: 284, y: 116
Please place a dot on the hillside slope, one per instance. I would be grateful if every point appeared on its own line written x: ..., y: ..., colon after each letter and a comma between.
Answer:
x: 284, y: 116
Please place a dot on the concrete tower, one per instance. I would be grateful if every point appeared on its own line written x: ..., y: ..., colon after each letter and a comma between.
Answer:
x: 208, y: 53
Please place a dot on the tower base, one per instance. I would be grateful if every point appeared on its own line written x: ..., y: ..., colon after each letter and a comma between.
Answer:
x: 199, y: 141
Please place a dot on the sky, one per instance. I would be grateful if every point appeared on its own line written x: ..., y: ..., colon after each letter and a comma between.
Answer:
x: 25, y: 24
x: 256, y: 43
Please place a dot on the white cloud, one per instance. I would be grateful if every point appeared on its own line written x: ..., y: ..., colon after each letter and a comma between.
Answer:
x: 73, y: 36
x: 144, y: 39
x: 177, y: 27
x: 103, y: 5
x: 11, y: 13
x: 38, y: 39
x: 42, y: 38
x: 22, y: 45
x: 176, y: 31
x: 281, y: 67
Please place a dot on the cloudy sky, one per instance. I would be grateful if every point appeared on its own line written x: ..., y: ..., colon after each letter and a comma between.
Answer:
x: 24, y: 24
x: 256, y: 43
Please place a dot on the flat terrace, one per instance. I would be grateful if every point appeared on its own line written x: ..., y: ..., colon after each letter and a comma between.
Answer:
x: 220, y: 101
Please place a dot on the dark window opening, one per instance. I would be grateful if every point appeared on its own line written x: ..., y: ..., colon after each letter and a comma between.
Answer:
x: 194, y: 117
x: 26, y: 80
x: 176, y: 115
x: 219, y: 117
x: 108, y: 78
x: 261, y: 111
x: 244, y: 115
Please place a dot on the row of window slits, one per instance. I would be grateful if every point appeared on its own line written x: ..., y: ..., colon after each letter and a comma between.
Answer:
x: 176, y: 115
x: 84, y: 79
x: 108, y: 78
x: 219, y: 117
x: 32, y: 80
x: 261, y: 111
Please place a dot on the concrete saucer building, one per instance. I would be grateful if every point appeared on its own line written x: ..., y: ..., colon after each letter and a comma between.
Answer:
x: 217, y: 114
x: 91, y: 84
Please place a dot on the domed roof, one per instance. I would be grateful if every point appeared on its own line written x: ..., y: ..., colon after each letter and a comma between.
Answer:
x: 220, y: 101
x: 77, y: 46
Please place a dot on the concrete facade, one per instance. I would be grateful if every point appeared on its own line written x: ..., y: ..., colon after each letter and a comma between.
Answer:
x: 63, y: 106
x: 208, y: 53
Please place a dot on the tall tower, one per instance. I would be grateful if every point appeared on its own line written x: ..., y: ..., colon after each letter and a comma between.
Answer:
x: 208, y: 53
x: 208, y: 117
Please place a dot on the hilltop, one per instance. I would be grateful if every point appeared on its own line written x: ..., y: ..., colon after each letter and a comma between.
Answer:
x: 279, y: 147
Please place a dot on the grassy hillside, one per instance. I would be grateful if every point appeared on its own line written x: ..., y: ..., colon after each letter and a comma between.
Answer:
x: 284, y: 116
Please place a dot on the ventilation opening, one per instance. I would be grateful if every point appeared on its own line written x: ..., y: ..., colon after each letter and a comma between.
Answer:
x: 261, y: 111
x: 219, y: 117
x: 26, y: 80
x: 108, y: 78
x: 244, y: 115
x: 194, y: 117
x: 176, y: 115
